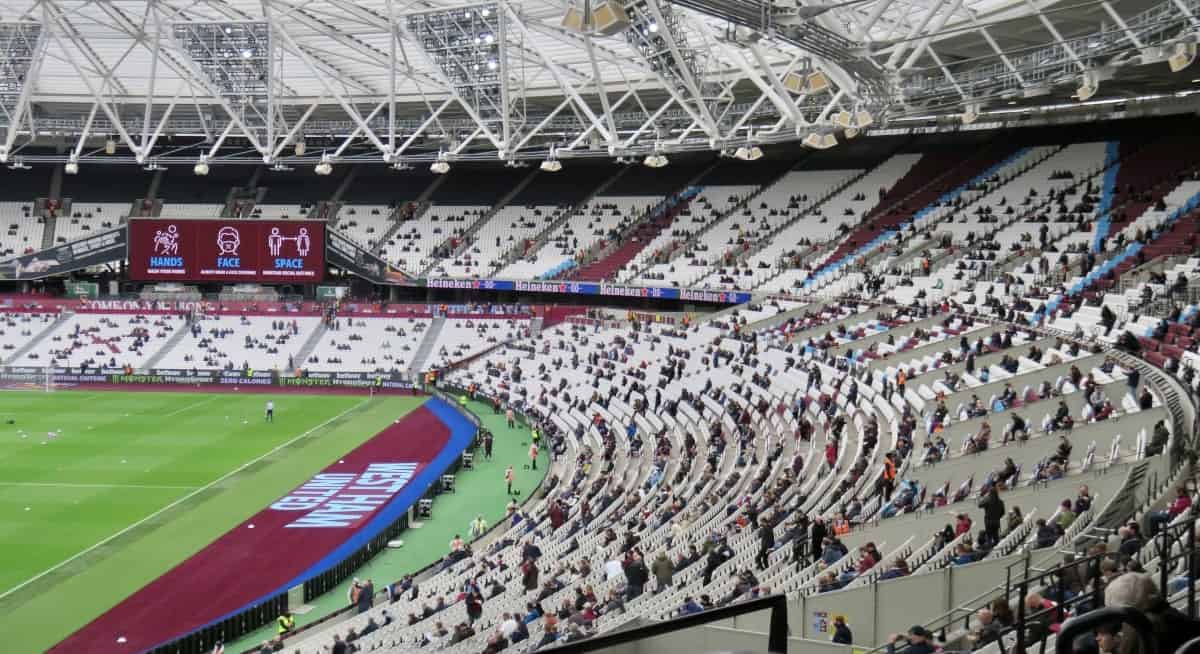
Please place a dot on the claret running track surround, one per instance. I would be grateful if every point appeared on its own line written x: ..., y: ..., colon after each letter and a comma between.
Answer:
x: 300, y: 535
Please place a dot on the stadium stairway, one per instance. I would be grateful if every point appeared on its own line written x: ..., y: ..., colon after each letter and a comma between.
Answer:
x: 1151, y: 170
x: 1108, y: 189
x: 167, y: 346
x: 468, y: 236
x: 931, y: 177
x: 426, y: 347
x: 39, y: 337
x: 311, y: 343
x: 606, y: 267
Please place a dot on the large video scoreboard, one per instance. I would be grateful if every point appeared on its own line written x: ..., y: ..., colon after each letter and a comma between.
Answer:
x: 227, y: 250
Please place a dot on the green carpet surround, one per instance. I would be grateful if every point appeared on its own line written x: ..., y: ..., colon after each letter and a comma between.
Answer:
x: 102, y: 492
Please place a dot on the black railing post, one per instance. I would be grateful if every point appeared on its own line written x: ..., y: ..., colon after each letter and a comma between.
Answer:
x: 1022, y: 589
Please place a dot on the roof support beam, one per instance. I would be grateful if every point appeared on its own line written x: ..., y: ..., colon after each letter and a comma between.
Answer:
x: 349, y: 108
x: 689, y: 80
x: 1130, y: 34
x: 561, y: 80
x: 987, y: 36
x: 876, y: 13
x: 1057, y: 36
x: 913, y: 33
x: 924, y: 43
x: 412, y: 138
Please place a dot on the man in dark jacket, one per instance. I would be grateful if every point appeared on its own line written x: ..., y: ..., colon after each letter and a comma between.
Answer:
x: 816, y: 538
x: 636, y: 575
x: 993, y: 513
x: 766, y: 541
x: 841, y: 633
x: 919, y: 641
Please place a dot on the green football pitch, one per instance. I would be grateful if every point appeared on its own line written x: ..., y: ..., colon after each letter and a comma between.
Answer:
x: 101, y: 492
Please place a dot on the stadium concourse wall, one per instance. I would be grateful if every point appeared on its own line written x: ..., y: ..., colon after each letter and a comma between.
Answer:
x: 238, y: 583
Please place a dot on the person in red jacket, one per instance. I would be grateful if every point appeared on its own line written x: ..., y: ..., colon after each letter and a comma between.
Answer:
x: 1158, y: 519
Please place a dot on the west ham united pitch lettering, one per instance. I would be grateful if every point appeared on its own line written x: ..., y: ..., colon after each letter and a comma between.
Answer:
x: 337, y: 500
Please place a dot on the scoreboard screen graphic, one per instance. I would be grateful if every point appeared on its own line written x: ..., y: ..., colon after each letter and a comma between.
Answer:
x: 220, y: 250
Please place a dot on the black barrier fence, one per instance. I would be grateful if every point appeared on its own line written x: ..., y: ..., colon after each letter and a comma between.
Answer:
x: 204, y: 640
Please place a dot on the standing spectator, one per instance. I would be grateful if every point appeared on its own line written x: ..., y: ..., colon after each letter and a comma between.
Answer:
x: 636, y: 575
x: 478, y: 526
x: 509, y: 477
x: 817, y: 538
x: 533, y: 455
x: 510, y: 417
x: 487, y: 445
x: 366, y: 597
x: 766, y: 542
x: 841, y: 633
x: 993, y: 513
x: 664, y: 570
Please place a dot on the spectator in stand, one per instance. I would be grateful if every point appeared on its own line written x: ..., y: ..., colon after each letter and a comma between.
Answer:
x: 993, y: 513
x: 1171, y: 627
x: 1156, y: 520
x: 841, y: 633
x: 987, y: 630
x: 919, y: 641
x: 1046, y: 534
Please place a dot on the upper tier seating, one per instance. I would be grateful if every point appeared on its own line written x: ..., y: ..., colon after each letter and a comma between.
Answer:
x: 511, y: 228
x: 23, y: 230
x: 601, y: 219
x: 87, y: 219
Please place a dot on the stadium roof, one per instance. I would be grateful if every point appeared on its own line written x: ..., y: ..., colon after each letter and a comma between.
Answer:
x: 397, y: 79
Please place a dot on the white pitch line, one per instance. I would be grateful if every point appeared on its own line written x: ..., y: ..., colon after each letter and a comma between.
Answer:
x: 38, y: 484
x: 180, y: 500
x: 190, y: 406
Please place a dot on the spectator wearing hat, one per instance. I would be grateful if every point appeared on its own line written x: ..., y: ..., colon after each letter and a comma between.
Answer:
x: 919, y: 641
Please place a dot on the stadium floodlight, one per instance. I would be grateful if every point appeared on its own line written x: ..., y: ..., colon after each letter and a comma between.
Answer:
x: 71, y: 167
x: 748, y: 153
x: 820, y: 141
x: 1088, y: 85
x: 110, y: 147
x: 1184, y: 55
x: 863, y: 118
x: 441, y: 166
x: 970, y: 114
x: 201, y: 167
x: 655, y: 161
x: 325, y: 167
x: 551, y: 165
x: 300, y: 145
x: 843, y: 119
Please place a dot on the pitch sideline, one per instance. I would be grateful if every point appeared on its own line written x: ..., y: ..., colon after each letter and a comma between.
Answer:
x: 195, y: 492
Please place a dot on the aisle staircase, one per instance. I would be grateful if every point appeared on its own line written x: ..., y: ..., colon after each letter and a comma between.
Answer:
x: 32, y: 343
x: 606, y: 267
x: 936, y: 174
x: 425, y: 348
x: 300, y: 358
x: 171, y: 342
